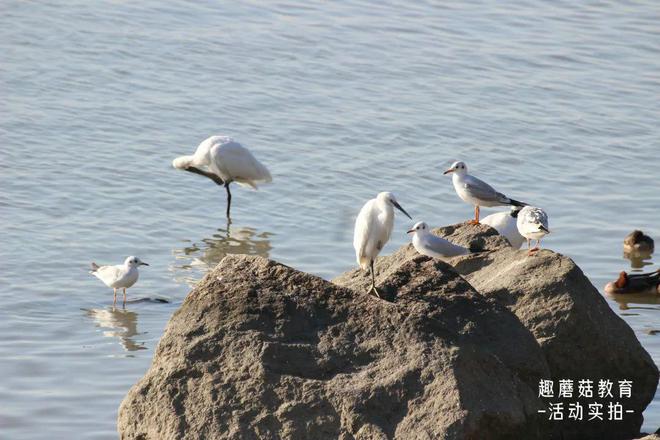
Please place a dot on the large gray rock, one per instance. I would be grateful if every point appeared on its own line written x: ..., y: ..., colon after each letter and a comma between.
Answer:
x: 581, y: 337
x: 259, y: 350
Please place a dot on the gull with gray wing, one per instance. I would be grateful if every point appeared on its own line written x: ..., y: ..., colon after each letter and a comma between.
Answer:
x: 429, y: 244
x: 533, y: 225
x: 475, y: 191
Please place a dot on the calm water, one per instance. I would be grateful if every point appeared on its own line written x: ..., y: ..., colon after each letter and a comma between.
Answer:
x: 555, y: 104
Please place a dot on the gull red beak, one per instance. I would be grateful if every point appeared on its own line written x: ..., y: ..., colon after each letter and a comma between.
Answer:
x: 450, y: 170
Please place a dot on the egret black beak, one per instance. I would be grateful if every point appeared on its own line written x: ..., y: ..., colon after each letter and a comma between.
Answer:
x: 410, y: 231
x: 450, y: 170
x: 143, y: 264
x: 397, y: 206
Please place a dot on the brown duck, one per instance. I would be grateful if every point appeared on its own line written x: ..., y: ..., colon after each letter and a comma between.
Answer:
x: 638, y: 242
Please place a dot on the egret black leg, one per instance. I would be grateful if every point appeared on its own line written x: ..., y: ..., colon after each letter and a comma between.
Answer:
x: 373, y: 281
x: 228, y: 198
x: 213, y: 177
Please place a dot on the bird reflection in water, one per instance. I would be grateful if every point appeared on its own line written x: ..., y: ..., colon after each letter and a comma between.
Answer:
x: 634, y: 301
x: 638, y: 260
x: 120, y: 324
x: 194, y: 260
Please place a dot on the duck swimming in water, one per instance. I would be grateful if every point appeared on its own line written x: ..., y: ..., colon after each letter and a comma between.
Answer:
x: 635, y: 283
x: 638, y: 243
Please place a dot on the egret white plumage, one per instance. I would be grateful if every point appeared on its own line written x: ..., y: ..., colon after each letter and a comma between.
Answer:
x: 505, y: 224
x: 533, y: 225
x: 373, y: 228
x: 475, y: 191
x: 431, y: 245
x: 121, y: 276
x: 224, y: 161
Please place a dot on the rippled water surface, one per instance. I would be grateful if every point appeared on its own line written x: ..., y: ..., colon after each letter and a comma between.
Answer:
x: 555, y: 103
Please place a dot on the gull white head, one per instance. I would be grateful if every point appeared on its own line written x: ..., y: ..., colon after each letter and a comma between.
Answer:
x: 458, y: 168
x: 420, y: 227
x: 388, y: 198
x: 134, y: 262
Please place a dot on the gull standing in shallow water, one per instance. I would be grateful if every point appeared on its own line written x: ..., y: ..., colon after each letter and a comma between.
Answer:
x: 505, y: 224
x: 121, y: 276
x: 224, y: 161
x: 533, y: 225
x: 475, y: 191
x: 373, y: 228
x: 431, y: 245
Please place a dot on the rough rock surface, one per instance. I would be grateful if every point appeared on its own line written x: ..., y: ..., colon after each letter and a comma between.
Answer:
x: 582, y: 338
x: 260, y: 350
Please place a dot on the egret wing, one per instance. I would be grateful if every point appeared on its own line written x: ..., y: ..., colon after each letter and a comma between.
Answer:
x: 364, y: 226
x: 238, y: 162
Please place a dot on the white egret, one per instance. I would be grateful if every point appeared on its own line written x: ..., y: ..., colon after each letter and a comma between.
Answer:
x: 533, y: 225
x: 475, y: 191
x: 431, y: 245
x: 121, y: 276
x: 224, y: 161
x: 373, y: 227
x: 505, y: 224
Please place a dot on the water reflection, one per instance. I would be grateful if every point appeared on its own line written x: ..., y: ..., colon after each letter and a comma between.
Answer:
x: 628, y: 301
x: 638, y: 259
x: 121, y: 324
x: 194, y: 260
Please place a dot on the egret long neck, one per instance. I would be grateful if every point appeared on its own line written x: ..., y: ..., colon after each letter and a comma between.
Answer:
x: 387, y: 216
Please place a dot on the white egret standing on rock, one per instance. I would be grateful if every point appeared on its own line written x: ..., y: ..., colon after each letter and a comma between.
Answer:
x: 475, y: 191
x: 224, y: 161
x: 121, y: 276
x: 533, y: 225
x: 373, y: 227
x: 506, y: 224
x: 431, y: 245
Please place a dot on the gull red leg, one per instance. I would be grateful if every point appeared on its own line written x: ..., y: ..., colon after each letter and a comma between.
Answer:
x: 535, y: 249
x: 475, y: 221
